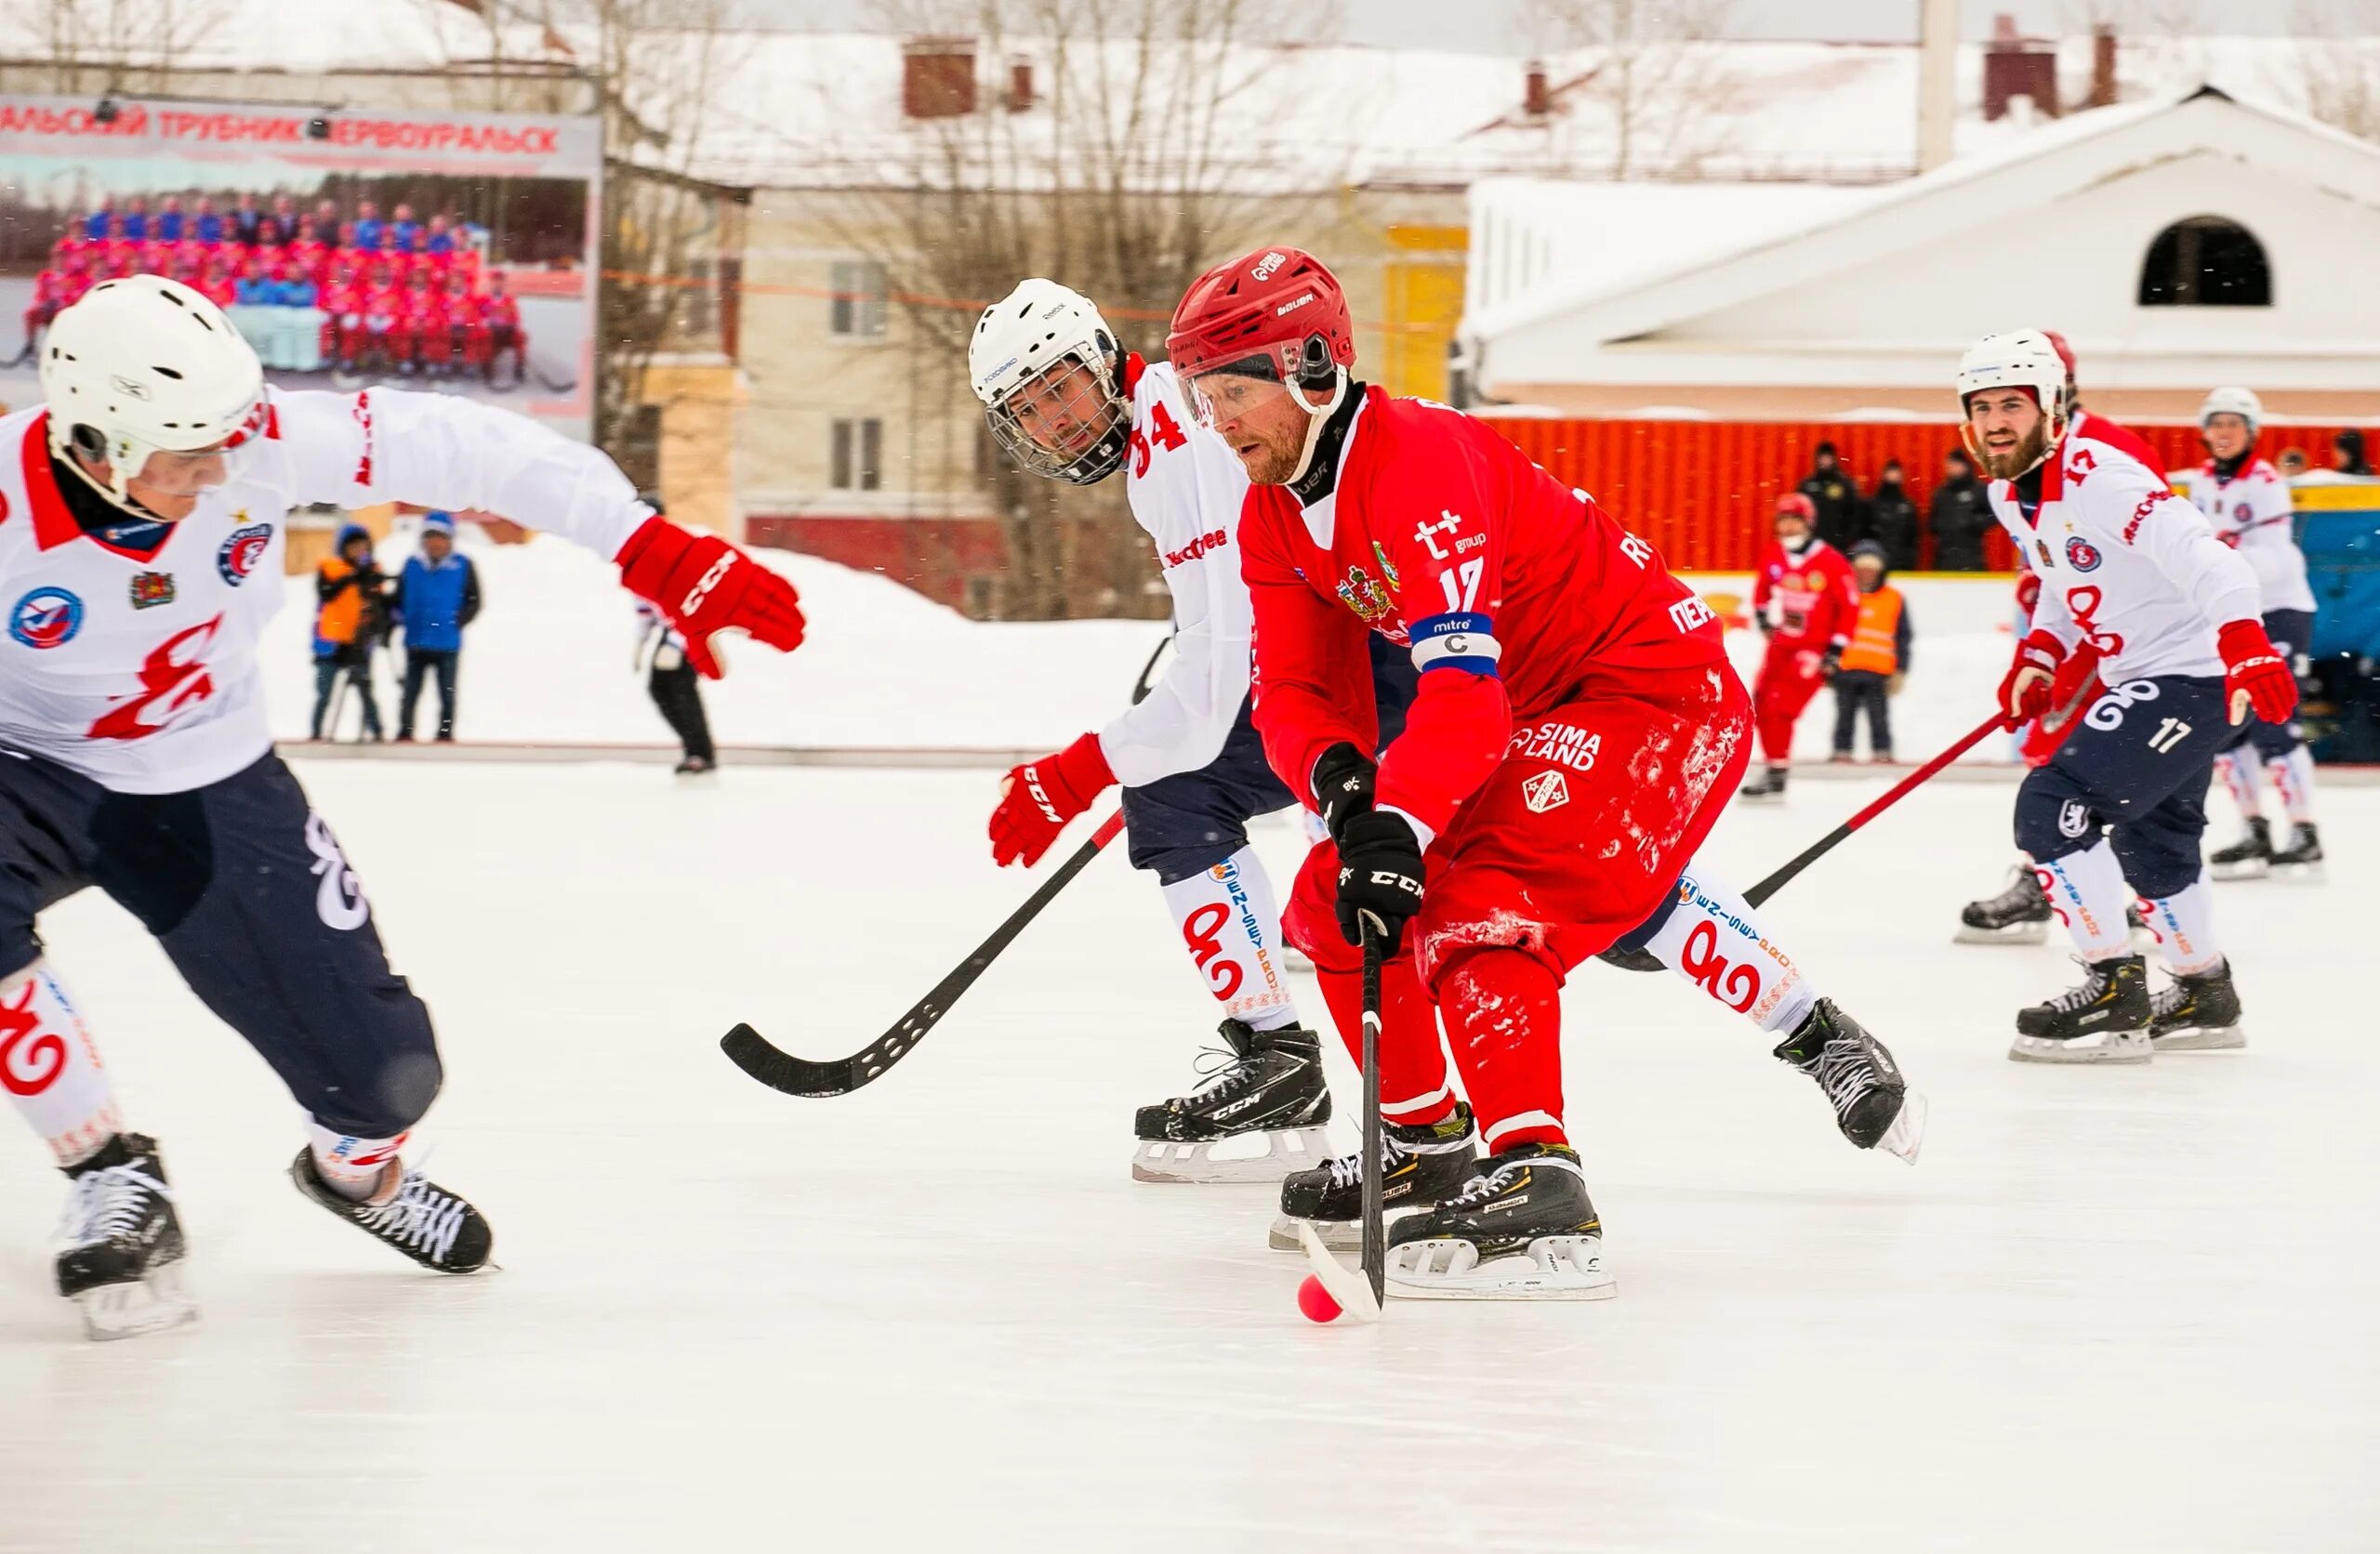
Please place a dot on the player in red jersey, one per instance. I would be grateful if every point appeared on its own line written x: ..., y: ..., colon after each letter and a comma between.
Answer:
x: 48, y: 288
x: 424, y: 326
x: 1577, y: 732
x: 501, y: 312
x: 383, y: 336
x: 1805, y: 601
x: 466, y: 323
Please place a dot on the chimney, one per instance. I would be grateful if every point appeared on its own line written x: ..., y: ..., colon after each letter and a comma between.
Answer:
x: 2014, y: 67
x: 937, y: 77
x: 1938, y: 81
x: 1538, y: 98
x: 1020, y: 83
x: 2103, y: 66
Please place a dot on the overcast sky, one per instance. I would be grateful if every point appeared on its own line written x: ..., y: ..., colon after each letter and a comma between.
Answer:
x: 1498, y: 26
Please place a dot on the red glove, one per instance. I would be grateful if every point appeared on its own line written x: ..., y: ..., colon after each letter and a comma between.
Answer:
x: 2027, y: 687
x: 1037, y: 800
x: 2255, y: 675
x: 703, y: 586
x: 2075, y: 687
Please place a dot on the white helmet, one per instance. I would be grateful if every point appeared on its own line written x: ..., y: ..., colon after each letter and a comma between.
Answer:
x: 1019, y: 340
x: 2242, y: 403
x: 2033, y: 359
x: 143, y: 365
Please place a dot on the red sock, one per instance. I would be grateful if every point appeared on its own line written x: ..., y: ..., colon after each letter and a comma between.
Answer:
x: 1504, y: 1014
x: 1413, y: 1086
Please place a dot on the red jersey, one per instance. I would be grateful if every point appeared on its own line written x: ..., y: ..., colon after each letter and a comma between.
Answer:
x: 1515, y: 593
x: 1817, y: 594
x: 384, y: 305
x: 463, y: 308
x: 425, y: 310
x: 308, y: 258
x: 501, y: 312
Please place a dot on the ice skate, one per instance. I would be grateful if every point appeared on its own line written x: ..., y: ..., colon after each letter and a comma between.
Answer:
x: 1873, y: 1104
x: 1258, y: 1117
x: 1768, y: 786
x: 2250, y: 857
x: 2302, y: 859
x: 2103, y: 1020
x: 2020, y: 915
x: 2197, y: 1013
x: 1421, y: 1166
x: 123, y: 1262
x: 409, y: 1212
x: 1524, y: 1229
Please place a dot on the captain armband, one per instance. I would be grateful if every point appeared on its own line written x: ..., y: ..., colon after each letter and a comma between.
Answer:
x: 1465, y: 641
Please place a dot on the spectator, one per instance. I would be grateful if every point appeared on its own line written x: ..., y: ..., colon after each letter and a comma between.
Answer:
x: 2292, y: 463
x: 348, y: 585
x: 1892, y: 519
x: 1959, y: 516
x: 245, y: 219
x: 2347, y: 453
x: 205, y: 222
x: 1877, y: 659
x: 136, y: 219
x: 438, y: 595
x: 1834, y: 496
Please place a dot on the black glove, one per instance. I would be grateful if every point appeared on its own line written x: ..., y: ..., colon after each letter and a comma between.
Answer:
x: 1379, y: 877
x: 1343, y: 787
x: 1833, y: 661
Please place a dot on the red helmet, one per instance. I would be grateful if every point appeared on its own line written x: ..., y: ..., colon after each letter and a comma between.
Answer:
x: 1800, y: 506
x: 1277, y: 311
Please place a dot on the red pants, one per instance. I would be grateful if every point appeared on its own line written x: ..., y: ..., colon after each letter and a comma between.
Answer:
x: 1574, y: 840
x: 1789, y: 677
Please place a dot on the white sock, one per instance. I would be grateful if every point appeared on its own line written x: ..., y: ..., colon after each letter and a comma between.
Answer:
x: 352, y: 1166
x: 2087, y: 891
x: 2294, y: 775
x: 2238, y: 770
x: 1717, y: 941
x: 1232, y: 927
x: 2184, y: 923
x: 51, y: 1070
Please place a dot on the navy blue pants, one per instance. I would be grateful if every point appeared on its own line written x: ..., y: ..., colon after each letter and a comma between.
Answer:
x: 246, y: 890
x: 1186, y: 824
x: 2138, y: 764
x: 2293, y: 632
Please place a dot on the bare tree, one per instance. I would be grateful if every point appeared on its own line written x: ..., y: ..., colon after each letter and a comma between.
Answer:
x: 2341, y: 71
x: 1653, y: 73
x: 121, y: 45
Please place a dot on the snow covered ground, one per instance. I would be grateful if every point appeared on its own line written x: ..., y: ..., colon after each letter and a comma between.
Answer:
x: 2109, y: 1311
x: 551, y: 661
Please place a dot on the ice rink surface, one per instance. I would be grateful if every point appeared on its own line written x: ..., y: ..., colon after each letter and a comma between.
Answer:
x: 2110, y: 1310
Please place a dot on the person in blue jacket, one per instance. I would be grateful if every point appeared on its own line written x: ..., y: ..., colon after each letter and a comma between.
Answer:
x: 437, y: 595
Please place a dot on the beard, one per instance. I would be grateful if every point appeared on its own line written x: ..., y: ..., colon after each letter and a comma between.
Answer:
x: 2029, y: 452
x: 1272, y: 463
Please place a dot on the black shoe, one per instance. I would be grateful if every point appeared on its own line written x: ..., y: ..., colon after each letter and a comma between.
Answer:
x: 2103, y: 1020
x: 1871, y: 1099
x: 1770, y: 783
x: 122, y: 1263
x: 2199, y: 1012
x: 1268, y: 1084
x: 2020, y: 915
x: 2306, y: 849
x: 405, y: 736
x: 2246, y: 858
x: 1420, y: 1166
x: 695, y: 766
x: 1525, y: 1193
x: 411, y: 1213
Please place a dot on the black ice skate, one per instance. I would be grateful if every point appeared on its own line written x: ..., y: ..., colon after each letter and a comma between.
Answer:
x: 2103, y: 1020
x: 410, y: 1212
x: 1524, y: 1229
x: 2020, y: 915
x: 123, y: 1263
x: 2198, y: 1013
x: 1768, y: 785
x: 1256, y: 1118
x: 1420, y: 1167
x: 1873, y: 1104
x: 2249, y: 858
x: 2303, y: 857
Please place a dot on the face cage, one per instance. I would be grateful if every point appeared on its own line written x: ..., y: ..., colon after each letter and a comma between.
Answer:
x: 1097, y: 406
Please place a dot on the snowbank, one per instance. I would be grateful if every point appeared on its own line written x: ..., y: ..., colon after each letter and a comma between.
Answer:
x: 551, y: 661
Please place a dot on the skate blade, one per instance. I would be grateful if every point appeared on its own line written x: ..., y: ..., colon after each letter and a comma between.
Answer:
x: 1283, y: 1150
x: 2257, y: 869
x: 1554, y: 1268
x: 2117, y: 1046
x: 2300, y: 874
x: 1339, y: 1235
x: 1349, y: 1286
x: 2014, y: 933
x: 1908, y: 1133
x: 2212, y: 1038
x: 151, y: 1305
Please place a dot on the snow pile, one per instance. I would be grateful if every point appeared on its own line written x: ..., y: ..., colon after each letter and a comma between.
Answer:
x: 551, y: 660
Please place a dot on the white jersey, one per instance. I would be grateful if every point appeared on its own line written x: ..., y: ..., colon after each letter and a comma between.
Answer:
x: 2124, y: 562
x: 1186, y: 486
x: 141, y: 673
x: 2251, y: 512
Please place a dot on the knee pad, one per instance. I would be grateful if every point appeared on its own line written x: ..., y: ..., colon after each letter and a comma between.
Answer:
x: 2053, y: 817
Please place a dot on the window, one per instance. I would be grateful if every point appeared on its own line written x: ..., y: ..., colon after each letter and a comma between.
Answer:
x: 2205, y: 262
x: 856, y: 311
x: 857, y: 461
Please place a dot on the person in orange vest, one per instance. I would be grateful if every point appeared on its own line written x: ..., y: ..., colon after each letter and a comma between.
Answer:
x: 1869, y: 675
